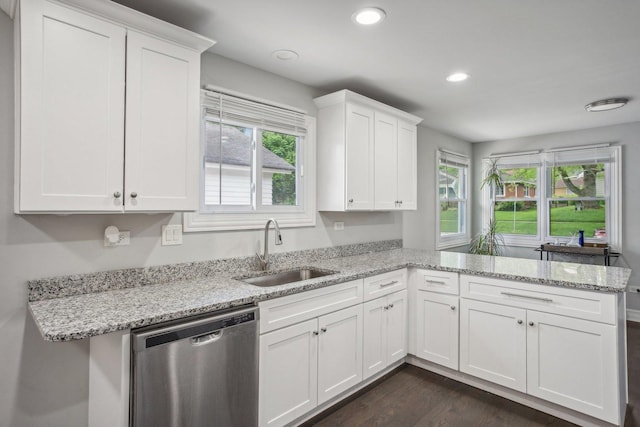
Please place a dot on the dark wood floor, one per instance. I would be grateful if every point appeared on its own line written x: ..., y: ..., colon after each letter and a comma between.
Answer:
x: 414, y: 397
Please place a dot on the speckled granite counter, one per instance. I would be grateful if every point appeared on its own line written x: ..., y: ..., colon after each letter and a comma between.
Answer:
x: 82, y: 315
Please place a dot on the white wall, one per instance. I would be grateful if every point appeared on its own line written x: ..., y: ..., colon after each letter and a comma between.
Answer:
x: 419, y: 227
x: 628, y: 136
x: 46, y: 384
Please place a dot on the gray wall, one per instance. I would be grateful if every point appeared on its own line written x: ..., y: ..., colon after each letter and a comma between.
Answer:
x: 419, y: 227
x: 628, y: 136
x: 46, y: 384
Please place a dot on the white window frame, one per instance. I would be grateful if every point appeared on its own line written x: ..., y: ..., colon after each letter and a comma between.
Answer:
x: 245, y: 218
x: 545, y: 159
x: 453, y: 239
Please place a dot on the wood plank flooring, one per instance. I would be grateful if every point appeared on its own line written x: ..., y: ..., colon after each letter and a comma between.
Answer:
x: 414, y: 397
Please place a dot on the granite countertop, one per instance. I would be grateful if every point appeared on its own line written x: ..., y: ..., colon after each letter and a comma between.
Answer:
x: 84, y: 315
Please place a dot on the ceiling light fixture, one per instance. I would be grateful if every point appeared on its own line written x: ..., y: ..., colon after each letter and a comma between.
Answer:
x: 606, y: 104
x: 285, y: 55
x: 457, y: 77
x: 368, y: 16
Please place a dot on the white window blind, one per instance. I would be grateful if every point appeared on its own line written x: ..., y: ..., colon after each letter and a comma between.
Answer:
x: 234, y: 109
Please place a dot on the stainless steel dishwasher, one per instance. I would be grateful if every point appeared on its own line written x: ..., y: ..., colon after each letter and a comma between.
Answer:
x: 196, y: 373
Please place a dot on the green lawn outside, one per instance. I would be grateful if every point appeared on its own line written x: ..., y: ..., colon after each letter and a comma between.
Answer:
x: 449, y: 220
x: 565, y: 221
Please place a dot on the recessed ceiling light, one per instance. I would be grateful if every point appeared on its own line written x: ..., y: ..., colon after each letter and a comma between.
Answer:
x: 285, y: 55
x: 368, y: 16
x: 457, y: 77
x: 606, y: 104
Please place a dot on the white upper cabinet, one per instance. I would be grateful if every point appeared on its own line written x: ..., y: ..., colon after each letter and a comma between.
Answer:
x: 366, y: 154
x: 107, y: 110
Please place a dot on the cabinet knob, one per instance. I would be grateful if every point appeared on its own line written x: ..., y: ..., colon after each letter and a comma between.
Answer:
x: 117, y: 194
x: 386, y: 307
x: 134, y: 195
x: 530, y: 323
x: 323, y: 329
x: 315, y: 332
x: 350, y: 200
x: 390, y: 305
x: 453, y: 307
x: 519, y: 321
x: 400, y: 201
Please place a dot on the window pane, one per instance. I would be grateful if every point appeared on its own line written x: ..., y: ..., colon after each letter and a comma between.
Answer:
x: 279, y: 153
x: 578, y: 181
x: 567, y: 217
x: 516, y: 217
x: 452, y: 182
x: 228, y: 164
x: 518, y: 183
x: 452, y: 216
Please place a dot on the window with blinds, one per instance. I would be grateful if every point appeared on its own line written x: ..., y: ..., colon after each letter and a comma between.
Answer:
x: 452, y: 215
x: 550, y: 196
x: 255, y: 163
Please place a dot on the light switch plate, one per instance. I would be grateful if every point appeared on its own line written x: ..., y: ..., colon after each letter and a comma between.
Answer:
x: 338, y: 226
x: 171, y: 235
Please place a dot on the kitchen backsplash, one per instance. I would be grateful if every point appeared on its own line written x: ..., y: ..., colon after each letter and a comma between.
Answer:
x: 77, y: 284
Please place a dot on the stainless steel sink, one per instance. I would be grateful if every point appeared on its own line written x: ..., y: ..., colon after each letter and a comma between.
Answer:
x: 284, y: 277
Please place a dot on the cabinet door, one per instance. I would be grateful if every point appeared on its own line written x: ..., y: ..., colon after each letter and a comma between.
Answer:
x: 572, y: 362
x: 162, y: 128
x: 407, y: 166
x: 339, y: 352
x: 437, y: 328
x: 493, y: 343
x: 72, y: 110
x: 288, y: 373
x: 396, y: 326
x: 359, y: 162
x: 386, y: 162
x: 375, y: 349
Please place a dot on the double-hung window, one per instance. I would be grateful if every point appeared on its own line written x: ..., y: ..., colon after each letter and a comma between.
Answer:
x: 550, y: 196
x: 452, y: 214
x: 257, y: 163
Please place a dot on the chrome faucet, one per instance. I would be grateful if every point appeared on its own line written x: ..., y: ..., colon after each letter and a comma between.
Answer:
x: 264, y: 259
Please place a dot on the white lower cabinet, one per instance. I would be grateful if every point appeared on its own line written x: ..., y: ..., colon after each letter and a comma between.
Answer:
x: 385, y: 336
x: 570, y: 362
x: 304, y: 365
x: 437, y: 328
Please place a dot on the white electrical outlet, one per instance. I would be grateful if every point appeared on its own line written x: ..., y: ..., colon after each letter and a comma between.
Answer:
x: 338, y: 226
x: 124, y: 239
x: 171, y: 235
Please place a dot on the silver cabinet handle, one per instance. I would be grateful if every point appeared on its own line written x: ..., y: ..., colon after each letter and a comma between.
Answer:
x: 519, y: 321
x: 323, y: 329
x: 134, y: 195
x: 384, y: 285
x: 117, y: 194
x: 453, y: 307
x: 530, y: 323
x: 435, y: 282
x: 509, y: 294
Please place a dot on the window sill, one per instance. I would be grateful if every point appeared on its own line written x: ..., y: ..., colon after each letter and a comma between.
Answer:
x: 195, y: 222
x: 452, y: 243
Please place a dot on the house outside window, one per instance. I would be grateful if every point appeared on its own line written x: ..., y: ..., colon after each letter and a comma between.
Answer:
x: 257, y: 163
x: 452, y: 214
x: 549, y: 196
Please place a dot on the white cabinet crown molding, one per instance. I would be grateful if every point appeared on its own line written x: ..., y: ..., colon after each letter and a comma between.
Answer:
x: 346, y: 95
x: 135, y: 20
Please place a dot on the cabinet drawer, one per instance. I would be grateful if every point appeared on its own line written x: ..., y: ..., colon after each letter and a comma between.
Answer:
x: 443, y: 282
x: 384, y: 284
x: 285, y: 311
x: 582, y: 304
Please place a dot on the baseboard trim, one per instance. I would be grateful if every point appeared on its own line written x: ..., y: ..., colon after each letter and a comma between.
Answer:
x: 633, y: 315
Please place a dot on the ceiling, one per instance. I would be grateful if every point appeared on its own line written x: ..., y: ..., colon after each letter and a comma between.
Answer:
x: 534, y: 64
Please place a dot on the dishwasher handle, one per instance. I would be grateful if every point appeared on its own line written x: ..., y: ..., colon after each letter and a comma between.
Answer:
x: 207, y: 338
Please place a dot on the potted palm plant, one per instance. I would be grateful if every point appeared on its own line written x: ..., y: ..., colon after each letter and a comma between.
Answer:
x: 489, y: 241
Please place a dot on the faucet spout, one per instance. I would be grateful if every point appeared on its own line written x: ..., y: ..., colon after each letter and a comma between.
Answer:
x: 264, y: 258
